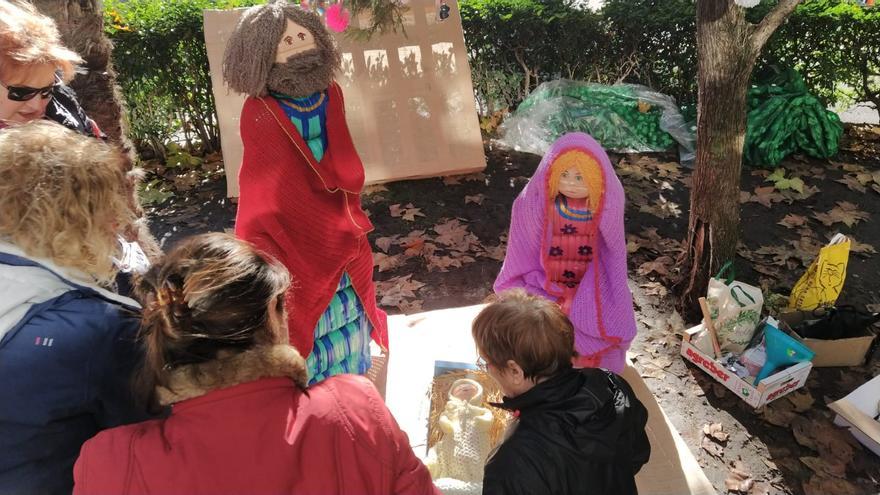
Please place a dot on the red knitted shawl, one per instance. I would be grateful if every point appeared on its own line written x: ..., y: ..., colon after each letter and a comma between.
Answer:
x: 307, y: 214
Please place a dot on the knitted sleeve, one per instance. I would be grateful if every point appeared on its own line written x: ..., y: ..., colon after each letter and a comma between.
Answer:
x: 522, y: 266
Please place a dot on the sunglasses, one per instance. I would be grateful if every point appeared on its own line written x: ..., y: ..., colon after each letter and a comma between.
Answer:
x: 24, y: 93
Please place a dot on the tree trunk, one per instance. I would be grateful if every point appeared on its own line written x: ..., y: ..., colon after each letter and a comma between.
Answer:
x: 727, y: 48
x: 82, y: 28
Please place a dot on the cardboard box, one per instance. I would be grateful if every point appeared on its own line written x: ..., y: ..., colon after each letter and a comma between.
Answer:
x: 771, y: 388
x: 850, y: 351
x: 418, y: 341
x: 409, y: 98
x: 857, y: 411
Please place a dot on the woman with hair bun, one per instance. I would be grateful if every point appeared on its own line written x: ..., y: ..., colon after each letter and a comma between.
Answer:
x: 242, y: 419
x: 67, y: 345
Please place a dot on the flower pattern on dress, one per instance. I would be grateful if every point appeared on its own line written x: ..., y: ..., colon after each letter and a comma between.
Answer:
x: 569, y: 229
x: 555, y: 251
x: 585, y: 250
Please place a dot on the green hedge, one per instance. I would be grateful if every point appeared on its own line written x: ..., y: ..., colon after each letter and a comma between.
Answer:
x: 653, y: 42
x: 514, y: 45
x: 159, y: 54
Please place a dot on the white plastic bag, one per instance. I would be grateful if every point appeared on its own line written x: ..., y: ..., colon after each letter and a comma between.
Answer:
x: 735, y: 309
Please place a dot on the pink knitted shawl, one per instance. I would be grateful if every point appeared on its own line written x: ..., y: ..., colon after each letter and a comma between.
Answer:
x: 602, y: 309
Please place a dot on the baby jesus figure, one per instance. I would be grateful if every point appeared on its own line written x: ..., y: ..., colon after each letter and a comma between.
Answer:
x: 457, y: 460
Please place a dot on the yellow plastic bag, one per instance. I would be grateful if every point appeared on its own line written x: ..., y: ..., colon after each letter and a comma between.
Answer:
x: 824, y: 279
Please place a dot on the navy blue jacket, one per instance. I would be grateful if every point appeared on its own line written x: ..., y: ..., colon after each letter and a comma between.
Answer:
x: 67, y: 353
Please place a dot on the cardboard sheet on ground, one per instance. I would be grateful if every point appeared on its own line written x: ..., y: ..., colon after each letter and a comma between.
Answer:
x: 418, y: 341
x: 409, y: 100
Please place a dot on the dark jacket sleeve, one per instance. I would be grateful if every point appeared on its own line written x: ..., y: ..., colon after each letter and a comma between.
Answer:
x: 636, y: 417
x: 117, y: 357
x: 66, y: 110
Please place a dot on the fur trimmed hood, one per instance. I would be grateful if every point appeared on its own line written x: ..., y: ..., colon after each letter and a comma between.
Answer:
x: 196, y: 380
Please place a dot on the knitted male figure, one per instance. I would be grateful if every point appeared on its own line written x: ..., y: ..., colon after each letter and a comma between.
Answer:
x: 567, y: 244
x: 300, y: 183
x: 457, y: 460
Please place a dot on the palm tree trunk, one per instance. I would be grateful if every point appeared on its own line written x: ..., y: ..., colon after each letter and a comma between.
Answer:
x: 81, y: 24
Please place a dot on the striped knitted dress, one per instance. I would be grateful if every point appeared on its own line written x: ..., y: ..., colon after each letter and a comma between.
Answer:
x: 342, y: 335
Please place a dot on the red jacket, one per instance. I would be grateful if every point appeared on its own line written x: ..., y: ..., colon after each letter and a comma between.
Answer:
x: 307, y: 214
x: 262, y: 436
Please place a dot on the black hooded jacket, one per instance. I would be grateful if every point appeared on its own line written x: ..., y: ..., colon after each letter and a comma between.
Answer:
x: 580, y: 432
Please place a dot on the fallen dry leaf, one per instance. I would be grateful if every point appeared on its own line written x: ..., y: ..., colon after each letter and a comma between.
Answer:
x: 770, y: 464
x: 654, y: 289
x: 715, y: 430
x: 409, y: 307
x: 386, y: 263
x: 394, y: 290
x: 852, y: 167
x: 384, y: 243
x: 802, y: 400
x: 494, y: 252
x: 442, y: 263
x: 651, y: 371
x: 825, y: 466
x: 408, y: 212
x: 852, y: 182
x: 760, y: 488
x: 660, y: 266
x: 818, y: 485
x: 662, y: 208
x: 791, y: 221
x: 766, y: 196
x: 739, y: 479
x: 663, y: 361
x: 455, y: 235
x: 845, y: 212
x: 452, y: 180
x: 860, y: 248
x: 779, y: 413
x: 711, y: 447
x: 476, y: 199
x: 637, y: 171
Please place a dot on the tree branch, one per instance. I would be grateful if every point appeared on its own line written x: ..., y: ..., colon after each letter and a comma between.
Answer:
x: 771, y: 23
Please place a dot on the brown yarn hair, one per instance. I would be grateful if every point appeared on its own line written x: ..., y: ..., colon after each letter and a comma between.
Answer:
x: 63, y: 196
x: 250, y: 51
x: 209, y: 295
x: 29, y: 38
x: 529, y: 330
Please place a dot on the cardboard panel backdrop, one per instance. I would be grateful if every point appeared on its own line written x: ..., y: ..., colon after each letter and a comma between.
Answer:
x: 409, y: 100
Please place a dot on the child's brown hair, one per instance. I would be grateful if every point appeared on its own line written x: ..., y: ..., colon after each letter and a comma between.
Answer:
x: 530, y: 330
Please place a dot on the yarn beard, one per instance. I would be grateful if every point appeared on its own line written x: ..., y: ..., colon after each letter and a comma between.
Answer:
x: 302, y: 75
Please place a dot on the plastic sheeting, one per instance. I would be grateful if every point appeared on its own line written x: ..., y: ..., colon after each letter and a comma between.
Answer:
x: 625, y: 118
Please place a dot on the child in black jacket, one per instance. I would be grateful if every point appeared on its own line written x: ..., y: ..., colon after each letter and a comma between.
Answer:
x: 577, y: 431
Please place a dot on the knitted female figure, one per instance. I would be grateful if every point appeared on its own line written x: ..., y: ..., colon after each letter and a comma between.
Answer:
x: 567, y: 244
x: 300, y: 184
x: 457, y: 460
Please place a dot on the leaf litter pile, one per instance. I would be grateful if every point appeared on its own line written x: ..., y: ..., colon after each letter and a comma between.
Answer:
x: 440, y: 242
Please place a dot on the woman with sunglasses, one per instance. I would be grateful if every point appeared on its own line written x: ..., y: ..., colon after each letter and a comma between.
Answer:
x: 34, y: 65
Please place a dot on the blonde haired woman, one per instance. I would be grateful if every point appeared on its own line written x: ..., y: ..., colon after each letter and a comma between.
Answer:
x: 67, y: 345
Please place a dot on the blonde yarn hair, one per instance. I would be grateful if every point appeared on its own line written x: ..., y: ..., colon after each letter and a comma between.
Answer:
x: 589, y: 168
